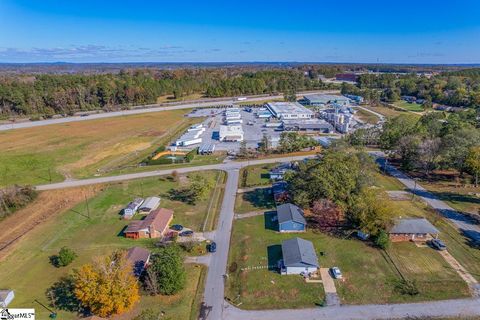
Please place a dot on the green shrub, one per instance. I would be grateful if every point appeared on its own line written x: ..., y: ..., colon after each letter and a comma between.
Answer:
x: 64, y: 258
x: 382, y: 240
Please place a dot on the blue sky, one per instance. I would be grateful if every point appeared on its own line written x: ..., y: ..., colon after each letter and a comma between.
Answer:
x: 420, y: 31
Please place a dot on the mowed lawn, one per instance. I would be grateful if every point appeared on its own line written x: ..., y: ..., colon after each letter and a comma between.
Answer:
x: 77, y: 149
x: 366, y: 116
x: 409, y: 106
x: 96, y: 231
x: 255, y: 200
x: 369, y: 273
x: 458, y: 244
x: 257, y: 175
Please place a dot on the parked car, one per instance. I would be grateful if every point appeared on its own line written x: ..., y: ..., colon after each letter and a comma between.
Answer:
x: 212, y: 247
x: 336, y: 273
x: 177, y: 227
x: 186, y: 233
x: 438, y: 244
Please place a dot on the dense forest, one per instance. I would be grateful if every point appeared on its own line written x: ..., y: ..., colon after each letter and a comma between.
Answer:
x: 457, y: 88
x: 49, y: 94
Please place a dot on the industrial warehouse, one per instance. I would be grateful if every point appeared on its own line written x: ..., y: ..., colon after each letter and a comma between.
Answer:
x: 225, y: 128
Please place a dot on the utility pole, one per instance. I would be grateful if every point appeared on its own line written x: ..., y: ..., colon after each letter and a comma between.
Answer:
x: 50, y: 174
x: 414, y: 189
x: 88, y: 208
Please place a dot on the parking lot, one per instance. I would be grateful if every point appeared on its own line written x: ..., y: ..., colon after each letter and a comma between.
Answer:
x: 253, y: 128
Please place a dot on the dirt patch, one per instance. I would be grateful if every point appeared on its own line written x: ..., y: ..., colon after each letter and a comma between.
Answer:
x: 48, y: 205
x: 115, y: 150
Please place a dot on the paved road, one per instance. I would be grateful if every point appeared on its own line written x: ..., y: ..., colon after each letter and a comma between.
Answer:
x: 146, y: 109
x: 214, y: 286
x: 445, y: 308
x: 465, y: 224
x: 221, y: 166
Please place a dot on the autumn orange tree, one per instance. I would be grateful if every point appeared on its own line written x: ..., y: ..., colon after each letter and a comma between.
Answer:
x: 107, y: 286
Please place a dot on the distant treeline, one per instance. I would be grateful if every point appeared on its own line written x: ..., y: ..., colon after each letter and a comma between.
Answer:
x: 49, y: 94
x: 457, y: 88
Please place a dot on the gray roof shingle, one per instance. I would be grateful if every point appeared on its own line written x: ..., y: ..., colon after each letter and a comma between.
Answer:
x: 290, y: 212
x: 298, y: 252
x: 414, y: 225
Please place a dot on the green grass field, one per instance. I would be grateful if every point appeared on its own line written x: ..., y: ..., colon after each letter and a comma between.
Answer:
x: 369, y: 273
x: 458, y: 244
x: 366, y: 116
x: 409, y: 106
x: 258, y: 199
x: 81, y: 149
x: 257, y: 175
x: 27, y: 269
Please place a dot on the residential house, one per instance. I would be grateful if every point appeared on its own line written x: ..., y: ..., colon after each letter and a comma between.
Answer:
x: 139, y: 258
x: 278, y: 172
x: 299, y: 257
x: 6, y: 297
x: 412, y: 229
x: 291, y: 218
x: 155, y: 225
x: 130, y: 210
x: 151, y: 203
x: 280, y: 192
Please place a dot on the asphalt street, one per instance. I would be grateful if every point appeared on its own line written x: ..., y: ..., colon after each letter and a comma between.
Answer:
x: 230, y: 165
x: 145, y: 109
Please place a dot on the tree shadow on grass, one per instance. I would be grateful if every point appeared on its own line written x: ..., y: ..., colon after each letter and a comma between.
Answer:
x: 260, y: 198
x: 61, y: 296
x: 274, y: 254
x: 270, y: 220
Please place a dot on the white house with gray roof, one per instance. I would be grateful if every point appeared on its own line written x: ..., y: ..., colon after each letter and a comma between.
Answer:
x: 290, y: 218
x: 299, y: 257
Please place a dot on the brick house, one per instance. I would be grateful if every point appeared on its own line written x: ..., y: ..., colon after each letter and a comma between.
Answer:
x: 155, y: 225
x: 412, y: 229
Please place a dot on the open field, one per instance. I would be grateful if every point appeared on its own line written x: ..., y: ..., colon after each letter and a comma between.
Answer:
x: 387, y: 112
x: 257, y: 175
x: 369, y: 273
x: 366, y: 116
x: 78, y: 149
x: 94, y: 230
x: 255, y: 200
x: 460, y: 197
x: 409, y: 106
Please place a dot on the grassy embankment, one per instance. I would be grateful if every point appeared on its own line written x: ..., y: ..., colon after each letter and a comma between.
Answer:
x: 98, y: 230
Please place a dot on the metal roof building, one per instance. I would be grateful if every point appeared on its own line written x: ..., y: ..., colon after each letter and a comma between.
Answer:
x: 150, y: 204
x: 299, y: 257
x: 324, y: 99
x: 289, y: 110
x: 231, y: 133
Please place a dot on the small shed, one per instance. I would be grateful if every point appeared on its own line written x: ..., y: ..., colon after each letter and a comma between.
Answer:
x: 412, y: 229
x: 151, y: 203
x: 290, y: 218
x: 299, y: 257
x: 6, y: 297
x: 132, y: 208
